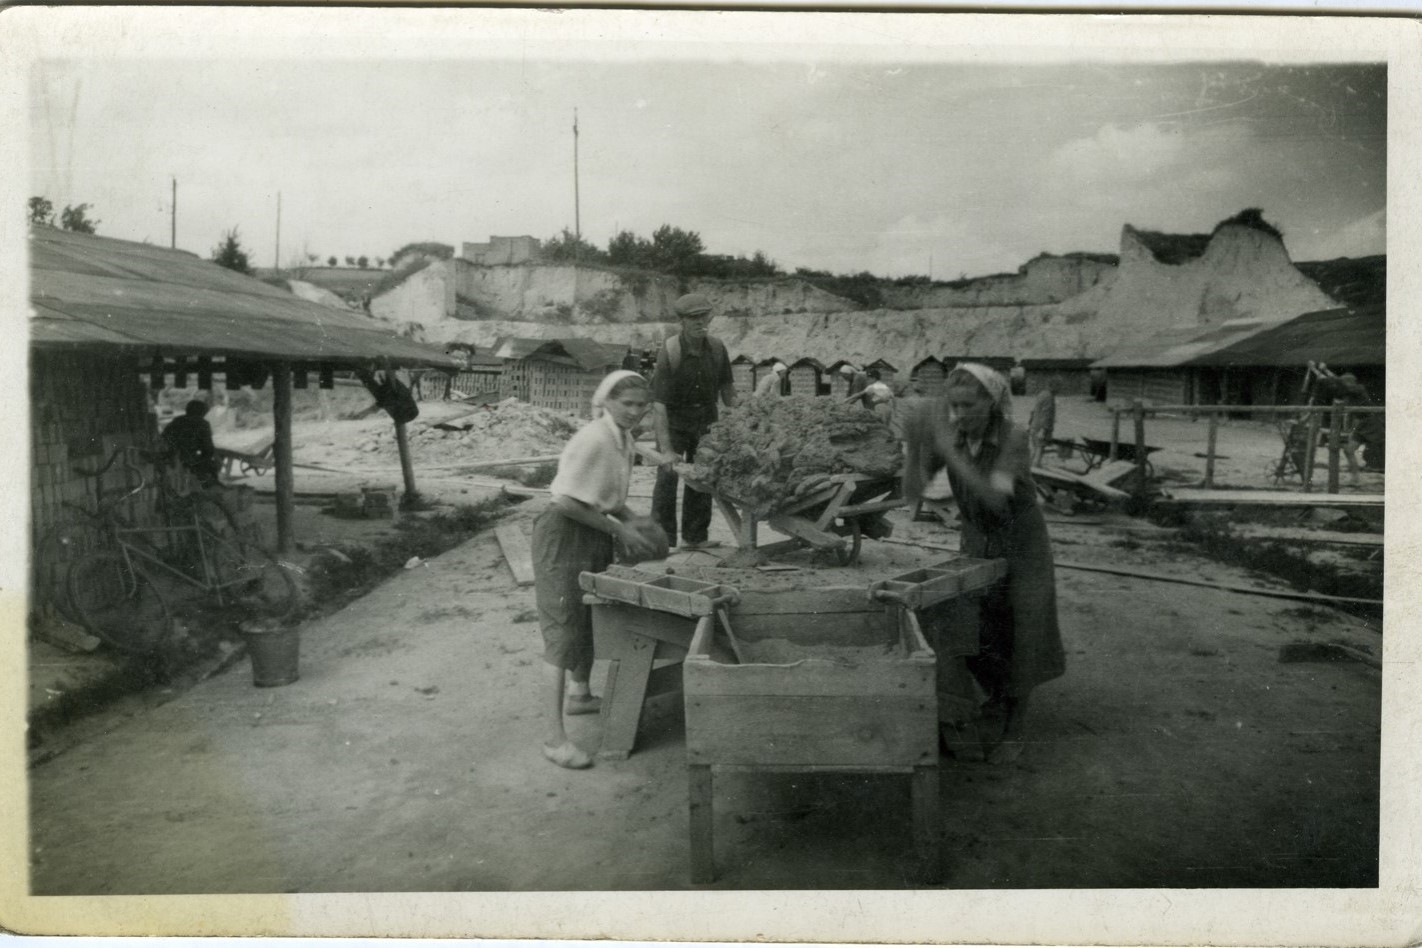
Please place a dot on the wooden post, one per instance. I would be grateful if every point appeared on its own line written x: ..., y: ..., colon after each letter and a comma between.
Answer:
x: 281, y: 451
x: 1115, y: 432
x: 407, y: 469
x: 1311, y: 450
x: 1138, y: 415
x: 1210, y: 449
x: 1335, y: 433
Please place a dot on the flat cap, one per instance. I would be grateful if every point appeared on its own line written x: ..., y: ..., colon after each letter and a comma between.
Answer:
x: 692, y: 304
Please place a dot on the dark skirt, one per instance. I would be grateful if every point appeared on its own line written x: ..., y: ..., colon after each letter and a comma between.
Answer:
x: 563, y: 549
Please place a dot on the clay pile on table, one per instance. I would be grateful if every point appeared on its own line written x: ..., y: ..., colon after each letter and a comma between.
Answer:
x: 510, y: 429
x: 761, y: 451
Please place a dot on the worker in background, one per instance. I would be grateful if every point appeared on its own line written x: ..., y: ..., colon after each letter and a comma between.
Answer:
x: 774, y: 381
x: 189, y: 438
x: 1043, y: 420
x: 968, y: 433
x: 1360, y: 430
x: 858, y: 381
x: 577, y: 532
x: 692, y: 376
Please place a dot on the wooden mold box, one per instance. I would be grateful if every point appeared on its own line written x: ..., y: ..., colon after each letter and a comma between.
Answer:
x: 828, y: 680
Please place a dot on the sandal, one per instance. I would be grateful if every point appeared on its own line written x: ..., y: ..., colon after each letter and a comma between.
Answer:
x: 568, y: 755
x: 581, y: 704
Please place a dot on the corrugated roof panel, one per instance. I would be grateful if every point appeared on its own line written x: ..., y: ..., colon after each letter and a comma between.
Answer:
x: 1336, y: 336
x: 135, y: 294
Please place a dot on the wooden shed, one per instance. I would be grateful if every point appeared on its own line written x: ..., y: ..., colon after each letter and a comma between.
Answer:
x: 1066, y: 376
x: 887, y: 372
x: 835, y: 380
x: 928, y: 377
x: 743, y: 374
x: 805, y: 376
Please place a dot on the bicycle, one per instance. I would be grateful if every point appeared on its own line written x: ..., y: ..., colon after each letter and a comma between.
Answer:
x: 114, y: 592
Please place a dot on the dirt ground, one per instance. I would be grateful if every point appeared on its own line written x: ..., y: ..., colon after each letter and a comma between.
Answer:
x: 1177, y: 751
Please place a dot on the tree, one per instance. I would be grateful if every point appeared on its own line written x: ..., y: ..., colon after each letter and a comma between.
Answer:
x: 350, y: 261
x: 626, y: 249
x: 230, y: 254
x: 77, y: 220
x: 41, y: 211
x: 380, y: 262
x: 331, y: 261
x: 362, y: 261
x: 313, y: 258
x: 675, y: 250
x: 419, y: 252
x: 566, y: 247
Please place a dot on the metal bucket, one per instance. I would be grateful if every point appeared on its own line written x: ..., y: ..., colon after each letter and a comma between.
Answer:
x: 274, y: 651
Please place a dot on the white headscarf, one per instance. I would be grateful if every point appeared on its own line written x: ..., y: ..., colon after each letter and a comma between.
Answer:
x: 605, y: 387
x: 995, y: 383
x: 780, y: 367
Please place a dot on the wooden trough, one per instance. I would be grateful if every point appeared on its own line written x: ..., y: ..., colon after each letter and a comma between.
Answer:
x: 827, y: 679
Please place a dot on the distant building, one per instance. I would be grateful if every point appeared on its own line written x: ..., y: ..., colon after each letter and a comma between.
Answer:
x: 804, y: 376
x: 743, y: 374
x: 502, y: 251
x: 560, y: 374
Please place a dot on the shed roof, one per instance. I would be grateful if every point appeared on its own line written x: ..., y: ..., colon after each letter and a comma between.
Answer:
x: 101, y: 292
x: 587, y: 354
x: 1344, y: 336
x: 1178, y: 347
x: 812, y: 363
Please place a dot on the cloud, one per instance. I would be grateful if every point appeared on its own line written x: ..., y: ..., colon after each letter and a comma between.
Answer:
x: 1141, y: 154
x: 1362, y: 237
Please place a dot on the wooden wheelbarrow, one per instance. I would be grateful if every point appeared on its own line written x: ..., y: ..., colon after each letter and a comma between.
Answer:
x: 834, y: 517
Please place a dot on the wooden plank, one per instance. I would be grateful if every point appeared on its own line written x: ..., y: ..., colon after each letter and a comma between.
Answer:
x: 615, y: 625
x: 1271, y: 498
x: 804, y: 530
x: 838, y: 731
x: 836, y: 504
x: 844, y: 628
x: 897, y: 676
x: 1299, y: 534
x: 702, y: 823
x: 1108, y: 474
x: 1070, y: 480
x: 733, y: 517
x: 622, y: 698
x: 827, y: 599
x: 281, y: 449
x: 927, y: 823
x: 518, y: 552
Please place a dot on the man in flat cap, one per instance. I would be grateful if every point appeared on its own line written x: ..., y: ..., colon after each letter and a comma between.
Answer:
x: 693, y: 373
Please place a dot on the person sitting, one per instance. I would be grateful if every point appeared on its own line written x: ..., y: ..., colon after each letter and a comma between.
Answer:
x: 189, y: 438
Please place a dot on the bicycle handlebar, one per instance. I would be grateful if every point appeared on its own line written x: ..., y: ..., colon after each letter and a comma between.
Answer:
x: 102, y: 470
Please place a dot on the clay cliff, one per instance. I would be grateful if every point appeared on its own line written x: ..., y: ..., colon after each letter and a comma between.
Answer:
x: 1072, y: 306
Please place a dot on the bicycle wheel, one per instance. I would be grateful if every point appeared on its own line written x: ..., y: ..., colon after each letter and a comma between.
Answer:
x: 252, y: 577
x: 58, y: 550
x: 117, y: 602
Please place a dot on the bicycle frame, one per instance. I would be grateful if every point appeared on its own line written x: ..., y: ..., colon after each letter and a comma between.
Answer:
x: 209, y: 582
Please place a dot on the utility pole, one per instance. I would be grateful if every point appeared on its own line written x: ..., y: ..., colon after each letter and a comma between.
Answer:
x: 577, y: 209
x: 276, y: 258
x: 173, y: 227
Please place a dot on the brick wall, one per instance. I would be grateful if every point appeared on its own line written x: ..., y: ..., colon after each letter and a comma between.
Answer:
x: 82, y: 407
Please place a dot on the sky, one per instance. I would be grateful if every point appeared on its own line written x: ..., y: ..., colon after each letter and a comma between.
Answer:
x: 946, y: 169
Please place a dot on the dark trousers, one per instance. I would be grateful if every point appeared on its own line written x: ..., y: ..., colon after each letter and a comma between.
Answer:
x: 695, y: 506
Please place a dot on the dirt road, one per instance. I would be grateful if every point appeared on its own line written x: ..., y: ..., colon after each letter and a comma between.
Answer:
x: 1177, y: 751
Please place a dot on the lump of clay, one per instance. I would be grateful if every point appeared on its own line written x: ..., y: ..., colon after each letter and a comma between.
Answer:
x: 761, y: 450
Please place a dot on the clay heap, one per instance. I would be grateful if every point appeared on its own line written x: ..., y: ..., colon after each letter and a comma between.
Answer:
x: 764, y: 450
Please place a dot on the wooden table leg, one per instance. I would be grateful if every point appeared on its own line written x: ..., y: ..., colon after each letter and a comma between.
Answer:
x: 703, y: 851
x: 622, y: 697
x: 927, y: 823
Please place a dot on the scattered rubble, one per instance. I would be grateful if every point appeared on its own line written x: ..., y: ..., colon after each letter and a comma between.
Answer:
x: 509, y: 429
x: 760, y: 451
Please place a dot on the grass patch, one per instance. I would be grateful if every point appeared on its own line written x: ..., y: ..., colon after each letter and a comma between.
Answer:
x: 353, y: 570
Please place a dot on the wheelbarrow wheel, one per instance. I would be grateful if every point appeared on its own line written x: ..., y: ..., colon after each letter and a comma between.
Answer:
x: 856, y: 539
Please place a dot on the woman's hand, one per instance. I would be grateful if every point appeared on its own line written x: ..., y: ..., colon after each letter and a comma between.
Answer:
x: 634, y: 542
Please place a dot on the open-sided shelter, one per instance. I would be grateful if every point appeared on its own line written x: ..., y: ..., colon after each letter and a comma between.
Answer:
x: 743, y: 374
x: 111, y: 319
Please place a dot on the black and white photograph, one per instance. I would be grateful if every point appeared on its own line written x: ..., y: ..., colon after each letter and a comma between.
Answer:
x: 559, y: 473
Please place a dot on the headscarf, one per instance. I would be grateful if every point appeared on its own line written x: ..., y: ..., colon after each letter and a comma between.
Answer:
x: 605, y: 387
x: 781, y: 368
x: 994, y: 382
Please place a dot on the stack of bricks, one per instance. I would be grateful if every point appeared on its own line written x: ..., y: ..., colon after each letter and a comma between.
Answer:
x: 82, y: 407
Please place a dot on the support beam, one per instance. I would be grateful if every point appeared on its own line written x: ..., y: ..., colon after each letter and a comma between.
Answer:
x: 1210, y: 442
x: 407, y: 468
x: 281, y: 450
x: 1335, y: 440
